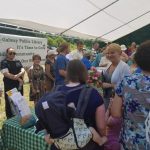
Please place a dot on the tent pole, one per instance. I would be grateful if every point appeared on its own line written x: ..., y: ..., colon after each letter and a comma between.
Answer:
x: 89, y: 17
x: 123, y: 25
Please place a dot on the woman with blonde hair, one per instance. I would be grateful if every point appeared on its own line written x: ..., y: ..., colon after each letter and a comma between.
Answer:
x: 114, y: 72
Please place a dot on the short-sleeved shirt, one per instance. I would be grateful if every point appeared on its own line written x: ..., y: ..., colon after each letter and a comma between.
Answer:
x: 76, y: 54
x: 13, y: 67
x: 94, y: 102
x: 97, y: 60
x: 135, y: 91
x: 60, y: 64
x: 86, y: 62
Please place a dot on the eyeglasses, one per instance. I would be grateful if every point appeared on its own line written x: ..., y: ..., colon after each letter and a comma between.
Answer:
x: 12, y: 53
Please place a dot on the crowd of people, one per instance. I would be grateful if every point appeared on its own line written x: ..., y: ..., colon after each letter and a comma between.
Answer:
x: 118, y: 116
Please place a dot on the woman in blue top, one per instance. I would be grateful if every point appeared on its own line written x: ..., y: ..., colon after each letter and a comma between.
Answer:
x: 95, y: 112
x: 133, y: 94
x: 86, y: 59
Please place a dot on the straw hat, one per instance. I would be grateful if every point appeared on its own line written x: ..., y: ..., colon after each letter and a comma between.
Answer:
x: 52, y: 52
x: 123, y: 47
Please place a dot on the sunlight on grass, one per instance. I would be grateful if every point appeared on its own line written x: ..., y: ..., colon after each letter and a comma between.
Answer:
x: 2, y: 101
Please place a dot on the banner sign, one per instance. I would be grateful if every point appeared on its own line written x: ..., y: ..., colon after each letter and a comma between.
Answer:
x: 25, y: 47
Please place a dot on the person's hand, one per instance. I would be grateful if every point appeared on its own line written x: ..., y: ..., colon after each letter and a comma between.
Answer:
x: 16, y: 77
x: 97, y: 138
x: 106, y: 85
x: 99, y: 84
x: 48, y: 139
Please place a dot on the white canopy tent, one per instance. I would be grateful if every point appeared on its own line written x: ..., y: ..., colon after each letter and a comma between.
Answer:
x: 104, y: 19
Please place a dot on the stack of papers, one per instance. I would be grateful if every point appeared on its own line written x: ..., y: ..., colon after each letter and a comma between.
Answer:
x: 19, y: 101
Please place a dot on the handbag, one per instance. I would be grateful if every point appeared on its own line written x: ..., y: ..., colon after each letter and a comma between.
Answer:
x: 77, y: 137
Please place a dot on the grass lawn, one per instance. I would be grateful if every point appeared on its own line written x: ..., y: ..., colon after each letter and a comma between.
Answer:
x: 2, y: 101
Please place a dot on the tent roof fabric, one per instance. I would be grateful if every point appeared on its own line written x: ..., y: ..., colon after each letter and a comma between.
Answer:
x: 46, y: 28
x: 107, y: 20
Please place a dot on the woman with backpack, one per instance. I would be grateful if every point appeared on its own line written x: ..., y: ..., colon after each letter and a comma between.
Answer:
x: 94, y: 115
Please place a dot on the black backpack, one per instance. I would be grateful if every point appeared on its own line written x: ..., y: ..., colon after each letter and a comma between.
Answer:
x: 55, y: 116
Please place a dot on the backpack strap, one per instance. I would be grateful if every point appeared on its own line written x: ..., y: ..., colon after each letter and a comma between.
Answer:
x: 77, y: 88
x: 83, y: 101
x: 57, y: 87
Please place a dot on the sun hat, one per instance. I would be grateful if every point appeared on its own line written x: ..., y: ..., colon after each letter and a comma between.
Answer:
x: 123, y: 47
x: 52, y: 52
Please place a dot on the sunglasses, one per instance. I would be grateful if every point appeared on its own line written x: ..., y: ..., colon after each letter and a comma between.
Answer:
x: 12, y: 53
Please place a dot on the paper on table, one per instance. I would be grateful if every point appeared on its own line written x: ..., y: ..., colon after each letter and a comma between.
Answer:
x: 21, y: 103
x: 12, y: 91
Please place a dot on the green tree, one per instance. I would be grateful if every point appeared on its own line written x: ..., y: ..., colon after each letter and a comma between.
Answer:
x: 72, y: 46
x: 50, y: 42
x: 59, y: 40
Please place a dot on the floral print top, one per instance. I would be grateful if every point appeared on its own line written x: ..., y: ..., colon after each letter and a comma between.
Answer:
x: 135, y: 91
